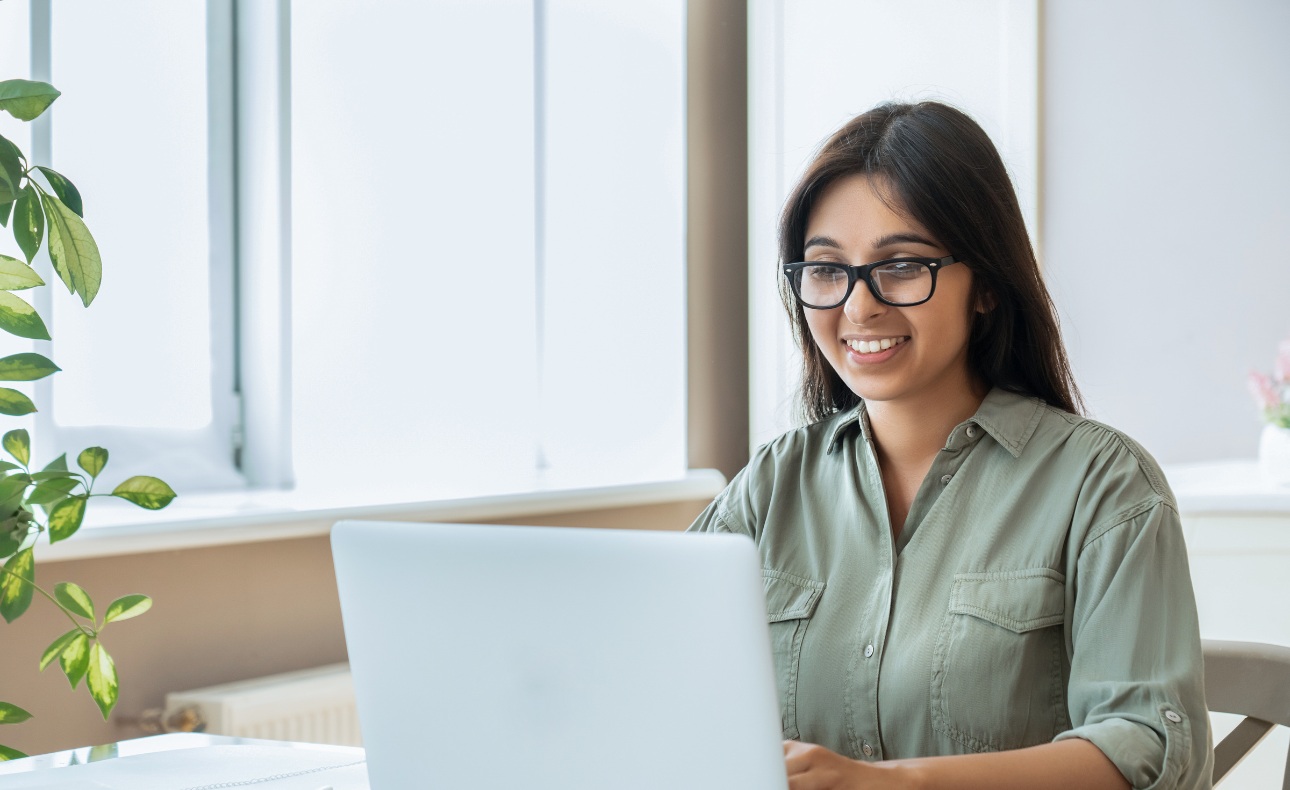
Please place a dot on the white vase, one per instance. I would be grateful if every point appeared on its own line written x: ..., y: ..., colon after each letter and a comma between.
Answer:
x: 1274, y: 454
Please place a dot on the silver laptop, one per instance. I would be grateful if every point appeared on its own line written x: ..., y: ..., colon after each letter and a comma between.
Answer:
x: 569, y: 659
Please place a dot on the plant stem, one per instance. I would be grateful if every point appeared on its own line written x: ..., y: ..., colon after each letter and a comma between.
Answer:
x: 90, y: 632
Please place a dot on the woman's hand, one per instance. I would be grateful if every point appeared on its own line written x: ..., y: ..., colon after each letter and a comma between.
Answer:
x: 812, y: 767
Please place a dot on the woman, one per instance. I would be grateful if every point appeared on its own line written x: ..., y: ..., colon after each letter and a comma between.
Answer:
x: 969, y: 584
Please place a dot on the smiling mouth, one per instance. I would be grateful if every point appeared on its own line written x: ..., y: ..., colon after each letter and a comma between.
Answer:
x: 874, y: 346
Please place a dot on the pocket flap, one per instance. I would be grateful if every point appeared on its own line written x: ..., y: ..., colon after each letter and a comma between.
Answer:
x: 1019, y: 601
x: 789, y: 597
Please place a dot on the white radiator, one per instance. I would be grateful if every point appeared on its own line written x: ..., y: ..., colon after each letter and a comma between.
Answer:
x: 311, y: 706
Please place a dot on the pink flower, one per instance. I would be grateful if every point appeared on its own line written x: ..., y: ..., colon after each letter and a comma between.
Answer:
x: 1264, y: 393
x: 1282, y: 366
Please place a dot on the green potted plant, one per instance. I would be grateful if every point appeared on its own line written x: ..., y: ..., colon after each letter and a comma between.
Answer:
x: 42, y: 206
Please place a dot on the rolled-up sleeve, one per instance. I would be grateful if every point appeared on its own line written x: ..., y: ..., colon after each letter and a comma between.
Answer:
x: 1136, y: 688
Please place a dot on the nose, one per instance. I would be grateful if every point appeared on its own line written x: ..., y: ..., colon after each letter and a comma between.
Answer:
x: 862, y: 306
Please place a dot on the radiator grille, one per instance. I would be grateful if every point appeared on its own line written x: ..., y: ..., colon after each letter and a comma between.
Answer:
x: 311, y: 706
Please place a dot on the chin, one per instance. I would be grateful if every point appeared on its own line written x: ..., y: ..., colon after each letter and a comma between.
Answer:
x: 868, y: 391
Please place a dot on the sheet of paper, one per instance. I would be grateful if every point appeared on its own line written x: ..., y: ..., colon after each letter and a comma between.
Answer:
x: 207, y: 768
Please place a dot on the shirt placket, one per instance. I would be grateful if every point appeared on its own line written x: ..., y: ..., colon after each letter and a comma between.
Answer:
x: 945, y: 467
x: 862, y: 680
x: 866, y: 732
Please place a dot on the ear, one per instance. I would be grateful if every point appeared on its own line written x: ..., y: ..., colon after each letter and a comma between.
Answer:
x: 985, y: 302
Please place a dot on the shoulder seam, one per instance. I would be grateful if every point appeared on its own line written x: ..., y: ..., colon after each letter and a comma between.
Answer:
x: 1157, y: 484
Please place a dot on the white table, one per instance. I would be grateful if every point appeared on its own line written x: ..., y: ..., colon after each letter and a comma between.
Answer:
x: 192, y: 760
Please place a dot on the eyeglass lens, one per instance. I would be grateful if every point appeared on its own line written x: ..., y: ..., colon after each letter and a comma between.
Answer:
x: 902, y: 282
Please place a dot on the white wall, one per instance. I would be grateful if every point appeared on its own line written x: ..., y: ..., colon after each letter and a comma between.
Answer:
x: 1166, y: 210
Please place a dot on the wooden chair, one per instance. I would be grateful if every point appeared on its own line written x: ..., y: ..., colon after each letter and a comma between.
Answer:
x: 1249, y: 679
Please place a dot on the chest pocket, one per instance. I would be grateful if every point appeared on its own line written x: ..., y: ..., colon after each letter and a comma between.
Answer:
x: 790, y: 602
x: 997, y: 678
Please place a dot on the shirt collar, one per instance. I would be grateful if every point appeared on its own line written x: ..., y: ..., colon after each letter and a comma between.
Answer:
x: 849, y: 420
x: 1010, y: 418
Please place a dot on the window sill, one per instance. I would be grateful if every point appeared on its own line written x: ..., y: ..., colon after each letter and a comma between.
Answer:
x: 200, y: 520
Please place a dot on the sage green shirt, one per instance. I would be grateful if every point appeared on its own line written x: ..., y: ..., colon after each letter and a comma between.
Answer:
x: 1038, y: 591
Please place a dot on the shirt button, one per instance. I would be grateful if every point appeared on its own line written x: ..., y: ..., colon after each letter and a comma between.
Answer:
x: 945, y: 479
x: 971, y: 431
x: 868, y: 651
x: 1173, y: 716
x: 867, y: 749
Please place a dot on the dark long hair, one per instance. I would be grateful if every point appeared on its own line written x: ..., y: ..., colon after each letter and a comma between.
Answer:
x: 948, y: 176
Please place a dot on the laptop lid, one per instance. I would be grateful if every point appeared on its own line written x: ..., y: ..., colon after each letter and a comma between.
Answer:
x: 540, y: 657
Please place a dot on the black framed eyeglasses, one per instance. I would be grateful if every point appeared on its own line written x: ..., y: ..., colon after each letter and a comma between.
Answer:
x: 899, y: 282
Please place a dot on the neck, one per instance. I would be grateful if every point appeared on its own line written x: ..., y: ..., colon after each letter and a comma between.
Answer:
x: 910, y: 431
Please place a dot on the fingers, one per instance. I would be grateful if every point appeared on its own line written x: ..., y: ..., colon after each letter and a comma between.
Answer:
x: 799, y: 760
x: 797, y: 756
x: 812, y: 767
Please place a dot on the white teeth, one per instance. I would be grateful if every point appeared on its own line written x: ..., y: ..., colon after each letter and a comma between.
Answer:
x: 874, y: 346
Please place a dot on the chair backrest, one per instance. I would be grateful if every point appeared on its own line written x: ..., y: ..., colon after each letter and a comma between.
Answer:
x: 1253, y: 680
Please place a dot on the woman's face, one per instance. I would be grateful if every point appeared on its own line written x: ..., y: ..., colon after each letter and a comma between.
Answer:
x: 926, y: 360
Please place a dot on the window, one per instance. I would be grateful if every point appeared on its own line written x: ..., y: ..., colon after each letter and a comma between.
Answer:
x: 487, y: 235
x: 137, y: 370
x: 418, y: 249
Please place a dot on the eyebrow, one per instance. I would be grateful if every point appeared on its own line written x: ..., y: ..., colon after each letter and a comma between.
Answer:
x: 821, y: 241
x: 889, y: 240
x: 903, y: 238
